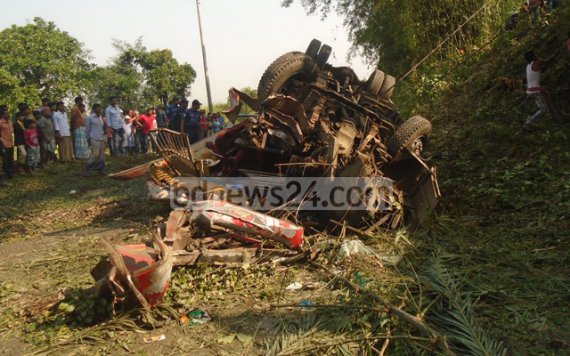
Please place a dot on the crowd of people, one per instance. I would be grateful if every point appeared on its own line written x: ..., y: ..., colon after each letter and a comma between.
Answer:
x: 193, y: 121
x: 532, y: 9
x: 34, y: 137
x: 535, y: 6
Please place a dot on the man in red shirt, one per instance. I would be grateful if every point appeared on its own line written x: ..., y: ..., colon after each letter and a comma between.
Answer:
x: 146, y: 122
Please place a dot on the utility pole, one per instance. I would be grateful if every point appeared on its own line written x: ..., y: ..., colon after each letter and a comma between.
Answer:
x: 210, y: 106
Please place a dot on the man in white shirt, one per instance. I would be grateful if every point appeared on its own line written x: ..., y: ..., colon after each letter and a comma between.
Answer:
x: 116, y: 120
x: 62, y: 133
x: 535, y: 91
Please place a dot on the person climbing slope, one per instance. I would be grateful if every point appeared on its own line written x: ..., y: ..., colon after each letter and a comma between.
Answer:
x: 535, y: 91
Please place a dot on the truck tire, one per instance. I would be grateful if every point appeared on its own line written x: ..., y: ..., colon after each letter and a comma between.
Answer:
x: 313, y: 48
x: 374, y: 83
x: 284, y: 68
x: 394, y: 118
x: 323, y: 56
x: 412, y: 134
x: 387, y: 87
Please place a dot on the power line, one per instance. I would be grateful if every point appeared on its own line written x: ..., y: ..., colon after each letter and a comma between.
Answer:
x: 441, y: 43
x: 256, y: 43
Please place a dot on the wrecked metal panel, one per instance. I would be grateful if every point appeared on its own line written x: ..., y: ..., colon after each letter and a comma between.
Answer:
x: 146, y: 271
x: 177, y: 236
x: 236, y: 256
x: 217, y: 214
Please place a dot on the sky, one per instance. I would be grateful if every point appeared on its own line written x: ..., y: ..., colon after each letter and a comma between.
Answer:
x: 242, y: 37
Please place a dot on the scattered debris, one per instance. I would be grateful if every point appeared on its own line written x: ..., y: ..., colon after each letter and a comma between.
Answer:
x: 155, y: 338
x: 301, y: 286
x: 135, y: 172
x: 227, y: 339
x: 360, y: 280
x: 306, y: 303
x: 354, y: 248
x: 40, y: 305
x: 295, y: 286
x: 184, y: 320
x: 230, y: 338
x: 198, y: 317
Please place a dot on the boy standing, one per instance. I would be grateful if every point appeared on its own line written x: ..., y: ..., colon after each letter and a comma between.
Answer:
x: 129, y: 143
x: 32, y: 146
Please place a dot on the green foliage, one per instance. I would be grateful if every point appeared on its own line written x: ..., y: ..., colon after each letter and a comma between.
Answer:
x: 39, y: 60
x: 117, y: 81
x: 453, y: 312
x: 139, y: 77
x: 164, y: 76
x: 396, y: 34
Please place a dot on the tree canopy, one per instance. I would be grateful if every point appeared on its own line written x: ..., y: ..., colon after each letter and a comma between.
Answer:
x: 395, y: 34
x: 138, y: 76
x: 39, y: 60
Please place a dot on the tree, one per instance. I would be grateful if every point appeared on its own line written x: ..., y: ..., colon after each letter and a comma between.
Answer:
x: 39, y: 60
x: 140, y: 78
x: 114, y: 80
x: 164, y: 76
x: 397, y: 33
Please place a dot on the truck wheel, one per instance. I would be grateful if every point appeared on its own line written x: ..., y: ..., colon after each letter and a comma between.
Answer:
x: 323, y: 56
x: 313, y: 48
x: 412, y: 134
x: 394, y: 118
x: 387, y: 87
x: 374, y: 83
x: 279, y: 77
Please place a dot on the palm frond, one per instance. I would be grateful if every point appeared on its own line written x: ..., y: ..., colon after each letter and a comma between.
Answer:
x: 454, y: 315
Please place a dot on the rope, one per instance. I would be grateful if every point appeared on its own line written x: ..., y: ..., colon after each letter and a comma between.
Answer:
x: 441, y: 43
x: 452, y: 69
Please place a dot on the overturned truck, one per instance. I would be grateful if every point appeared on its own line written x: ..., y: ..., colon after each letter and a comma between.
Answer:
x: 317, y: 120
x: 314, y: 123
